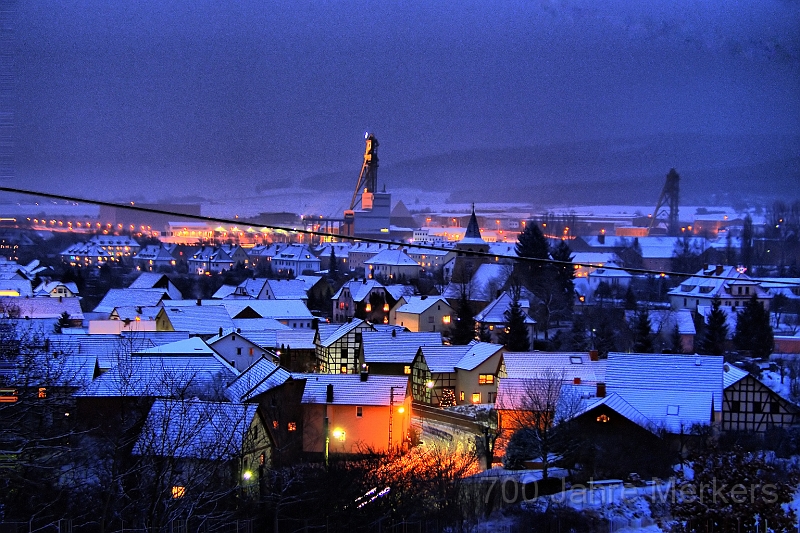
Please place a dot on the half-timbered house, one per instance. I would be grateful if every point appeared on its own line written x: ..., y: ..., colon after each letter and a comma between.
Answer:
x: 749, y: 406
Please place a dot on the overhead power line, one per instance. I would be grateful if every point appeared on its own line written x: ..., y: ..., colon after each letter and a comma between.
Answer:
x: 315, y: 233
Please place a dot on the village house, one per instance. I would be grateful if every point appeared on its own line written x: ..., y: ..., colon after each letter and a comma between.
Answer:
x: 151, y: 280
x: 294, y: 260
x: 366, y: 412
x: 120, y: 246
x: 751, y: 407
x: 492, y: 318
x: 56, y: 289
x: 392, y: 352
x: 732, y: 287
x: 422, y: 313
x: 339, y: 345
x: 355, y: 296
x: 392, y: 265
x: 154, y: 257
x: 209, y: 259
x: 235, y: 347
x: 444, y: 376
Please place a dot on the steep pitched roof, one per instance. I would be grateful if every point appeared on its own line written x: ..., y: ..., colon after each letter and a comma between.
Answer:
x: 391, y: 258
x: 569, y: 364
x: 198, y: 319
x: 195, y: 429
x: 383, y: 347
x: 41, y: 307
x: 259, y: 377
x: 495, y: 311
x: 419, y: 304
x: 203, y: 376
x: 732, y: 375
x: 348, y: 389
x: 126, y: 297
x: 473, y: 233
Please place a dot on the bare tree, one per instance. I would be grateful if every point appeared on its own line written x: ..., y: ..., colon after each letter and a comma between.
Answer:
x: 542, y: 407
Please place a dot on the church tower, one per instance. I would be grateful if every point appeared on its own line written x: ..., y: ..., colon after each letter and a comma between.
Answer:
x: 466, y: 263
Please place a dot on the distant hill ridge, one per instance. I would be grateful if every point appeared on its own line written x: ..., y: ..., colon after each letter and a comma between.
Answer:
x: 600, y: 171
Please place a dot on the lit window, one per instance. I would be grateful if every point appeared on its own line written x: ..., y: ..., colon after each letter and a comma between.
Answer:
x: 461, y: 396
x: 42, y: 392
x: 275, y: 424
x: 446, y: 319
x: 476, y: 397
x: 343, y: 369
x: 406, y: 370
x: 485, y: 379
x: 292, y: 426
x: 603, y: 418
x: 178, y: 491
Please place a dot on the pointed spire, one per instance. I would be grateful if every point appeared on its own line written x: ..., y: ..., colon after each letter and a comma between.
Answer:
x: 473, y: 231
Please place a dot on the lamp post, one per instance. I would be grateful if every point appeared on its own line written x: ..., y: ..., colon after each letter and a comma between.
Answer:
x: 391, y: 413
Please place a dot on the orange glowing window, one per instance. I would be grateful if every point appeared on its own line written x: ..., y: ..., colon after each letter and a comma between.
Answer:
x: 476, y: 397
x: 292, y: 426
x: 178, y: 492
x: 42, y: 392
x: 603, y: 418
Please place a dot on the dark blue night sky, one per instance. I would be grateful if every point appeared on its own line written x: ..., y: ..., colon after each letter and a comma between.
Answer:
x: 154, y: 99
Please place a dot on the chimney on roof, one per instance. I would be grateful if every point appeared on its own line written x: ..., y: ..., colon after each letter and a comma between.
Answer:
x: 601, y: 390
x: 238, y: 330
x: 601, y: 238
x: 718, y: 272
x: 594, y: 355
x: 199, y: 301
x: 220, y: 331
x: 364, y: 372
x: 329, y: 393
x: 394, y: 333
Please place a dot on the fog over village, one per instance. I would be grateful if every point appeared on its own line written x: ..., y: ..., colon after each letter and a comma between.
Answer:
x: 512, y: 267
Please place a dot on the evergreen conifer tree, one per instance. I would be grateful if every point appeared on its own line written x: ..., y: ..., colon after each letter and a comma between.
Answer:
x: 533, y: 244
x: 642, y: 332
x: 754, y: 330
x: 715, y: 332
x: 463, y: 329
x: 516, y: 337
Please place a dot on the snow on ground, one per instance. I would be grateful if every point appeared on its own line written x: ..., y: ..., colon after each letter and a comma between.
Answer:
x: 773, y: 380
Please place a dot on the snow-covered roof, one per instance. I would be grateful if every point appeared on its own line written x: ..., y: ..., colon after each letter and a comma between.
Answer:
x: 400, y: 347
x: 259, y: 377
x: 568, y: 365
x: 732, y: 375
x: 125, y: 297
x: 41, y: 307
x: 278, y: 309
x: 391, y: 258
x: 494, y: 313
x: 419, y: 304
x: 45, y: 288
x: 448, y: 359
x: 660, y: 374
x: 286, y: 289
x: 17, y: 288
x: 718, y: 282
x: 333, y: 334
x: 198, y: 319
x: 349, y: 389
x: 195, y: 429
x: 129, y: 312
x: 203, y: 376
x: 359, y: 289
